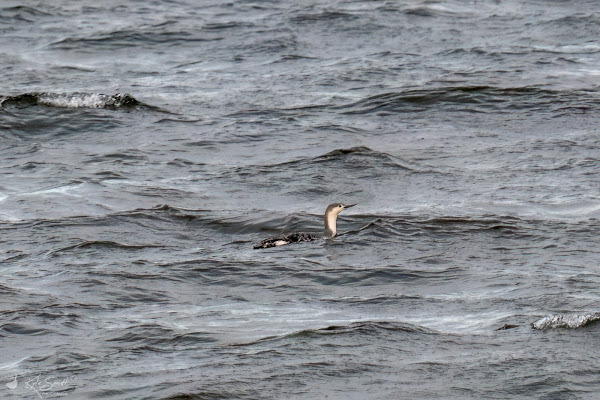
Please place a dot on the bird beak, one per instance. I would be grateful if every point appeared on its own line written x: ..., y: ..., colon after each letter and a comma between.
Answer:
x: 349, y: 205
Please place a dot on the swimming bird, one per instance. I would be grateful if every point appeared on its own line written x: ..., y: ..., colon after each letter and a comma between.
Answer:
x: 330, y: 219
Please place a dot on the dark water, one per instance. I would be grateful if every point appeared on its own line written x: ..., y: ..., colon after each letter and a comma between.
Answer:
x: 146, y: 146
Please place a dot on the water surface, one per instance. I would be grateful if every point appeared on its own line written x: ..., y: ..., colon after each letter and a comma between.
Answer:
x: 146, y: 146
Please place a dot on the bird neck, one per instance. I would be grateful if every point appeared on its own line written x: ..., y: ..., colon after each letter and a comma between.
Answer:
x: 330, y: 222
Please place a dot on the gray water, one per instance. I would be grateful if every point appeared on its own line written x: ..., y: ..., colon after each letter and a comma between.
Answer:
x: 146, y: 146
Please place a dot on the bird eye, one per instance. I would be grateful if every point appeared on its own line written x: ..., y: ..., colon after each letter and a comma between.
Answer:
x: 341, y: 206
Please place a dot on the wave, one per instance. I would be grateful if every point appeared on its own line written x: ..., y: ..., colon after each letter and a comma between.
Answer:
x: 577, y: 22
x: 475, y: 99
x: 469, y: 223
x: 323, y: 16
x: 20, y: 329
x: 414, y: 227
x: 104, y: 244
x: 228, y: 25
x: 159, y: 336
x: 117, y: 101
x: 21, y: 14
x: 563, y: 321
x: 131, y: 38
x: 437, y: 10
x: 470, y: 99
x: 366, y: 327
x: 359, y: 157
x: 362, y: 155
x: 584, y: 48
x: 362, y: 328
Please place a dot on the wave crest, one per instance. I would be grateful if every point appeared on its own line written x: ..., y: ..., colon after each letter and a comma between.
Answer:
x: 74, y: 100
x: 566, y: 321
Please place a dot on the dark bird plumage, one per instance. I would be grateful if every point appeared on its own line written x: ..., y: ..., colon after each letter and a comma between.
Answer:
x: 296, y: 237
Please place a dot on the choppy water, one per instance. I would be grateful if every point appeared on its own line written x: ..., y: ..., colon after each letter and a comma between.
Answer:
x: 146, y: 146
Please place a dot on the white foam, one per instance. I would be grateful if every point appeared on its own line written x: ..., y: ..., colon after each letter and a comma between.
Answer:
x: 67, y: 190
x: 569, y: 209
x: 565, y: 321
x: 570, y: 48
x: 77, y: 100
x: 460, y: 324
x: 13, y: 364
x: 9, y: 218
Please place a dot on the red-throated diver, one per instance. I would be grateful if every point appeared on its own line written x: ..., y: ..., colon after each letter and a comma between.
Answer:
x: 330, y: 218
